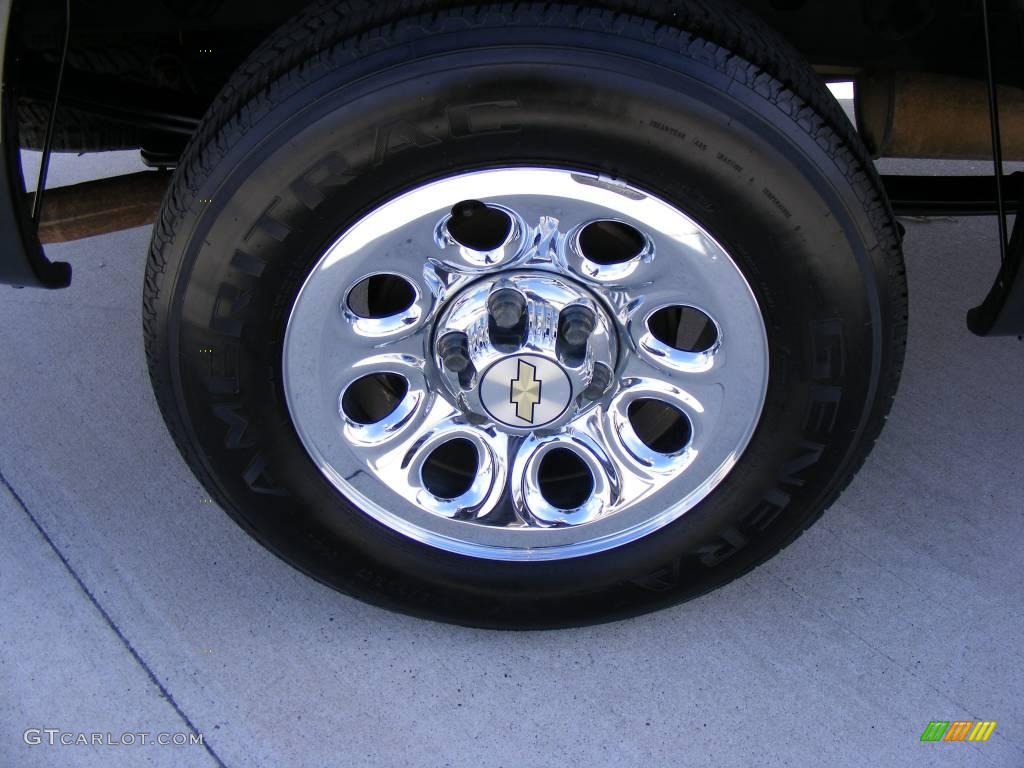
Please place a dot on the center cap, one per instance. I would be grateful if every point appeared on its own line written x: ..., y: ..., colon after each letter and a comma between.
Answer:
x: 525, y: 350
x: 525, y: 391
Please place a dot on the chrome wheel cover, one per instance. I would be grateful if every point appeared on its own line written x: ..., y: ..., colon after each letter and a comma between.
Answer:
x: 556, y: 256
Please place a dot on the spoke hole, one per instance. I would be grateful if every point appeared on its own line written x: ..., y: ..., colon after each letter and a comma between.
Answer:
x: 478, y: 226
x: 381, y: 296
x: 684, y: 328
x: 610, y: 242
x: 564, y: 479
x: 373, y: 398
x: 450, y: 468
x: 660, y: 426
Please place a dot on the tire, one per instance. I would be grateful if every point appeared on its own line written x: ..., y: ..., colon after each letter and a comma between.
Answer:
x: 344, y: 110
x: 75, y: 131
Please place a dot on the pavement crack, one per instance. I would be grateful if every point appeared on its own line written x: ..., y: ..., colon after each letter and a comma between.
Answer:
x: 110, y: 622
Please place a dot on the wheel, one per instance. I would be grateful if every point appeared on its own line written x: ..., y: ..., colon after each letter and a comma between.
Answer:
x: 525, y: 315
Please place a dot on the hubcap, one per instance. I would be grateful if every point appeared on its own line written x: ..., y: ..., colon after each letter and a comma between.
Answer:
x: 525, y: 346
x: 525, y: 364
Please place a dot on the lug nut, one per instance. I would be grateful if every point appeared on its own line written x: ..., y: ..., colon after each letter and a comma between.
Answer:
x: 506, y: 307
x: 599, y: 382
x: 576, y: 324
x: 454, y: 351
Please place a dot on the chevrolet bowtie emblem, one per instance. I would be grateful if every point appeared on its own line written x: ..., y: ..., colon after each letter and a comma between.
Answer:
x: 524, y: 391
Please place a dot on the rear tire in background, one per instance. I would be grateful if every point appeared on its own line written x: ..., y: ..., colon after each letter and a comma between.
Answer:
x: 700, y: 143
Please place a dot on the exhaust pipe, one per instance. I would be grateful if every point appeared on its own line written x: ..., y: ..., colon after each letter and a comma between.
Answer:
x: 100, y: 207
x: 922, y: 115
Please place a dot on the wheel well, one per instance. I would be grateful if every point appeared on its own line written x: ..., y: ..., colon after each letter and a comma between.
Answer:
x: 143, y: 74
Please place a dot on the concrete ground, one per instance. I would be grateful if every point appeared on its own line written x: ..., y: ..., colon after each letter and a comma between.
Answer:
x: 128, y: 605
